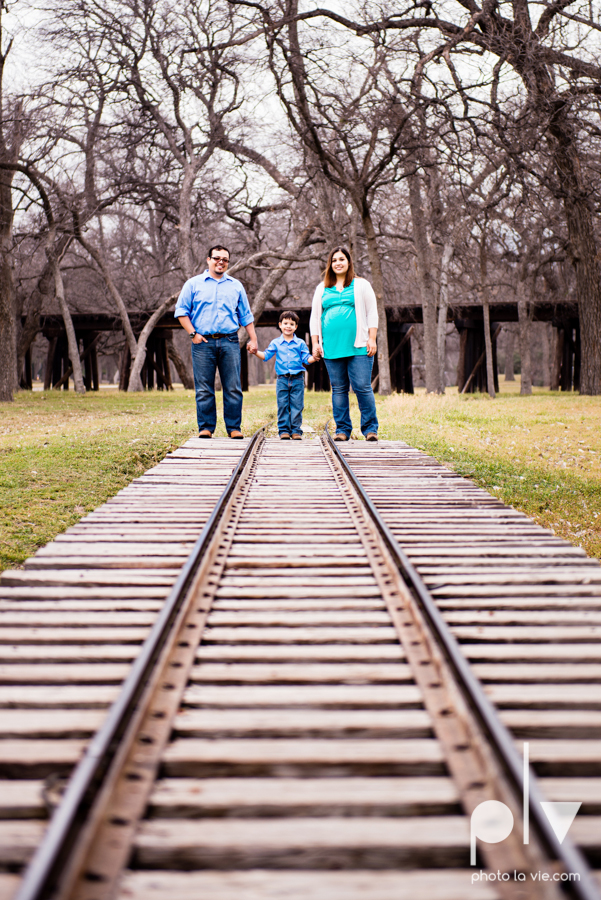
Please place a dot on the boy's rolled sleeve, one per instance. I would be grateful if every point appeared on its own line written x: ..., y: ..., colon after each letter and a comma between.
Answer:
x: 304, y: 352
x: 271, y: 350
x: 245, y: 316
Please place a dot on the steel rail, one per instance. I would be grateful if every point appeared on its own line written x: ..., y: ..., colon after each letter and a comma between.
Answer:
x: 570, y: 858
x: 43, y: 873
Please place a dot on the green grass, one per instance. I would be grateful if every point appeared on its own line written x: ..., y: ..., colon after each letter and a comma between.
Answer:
x: 540, y: 454
x: 62, y: 455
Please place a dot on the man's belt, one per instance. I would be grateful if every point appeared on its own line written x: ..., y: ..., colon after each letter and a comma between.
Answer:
x: 220, y: 334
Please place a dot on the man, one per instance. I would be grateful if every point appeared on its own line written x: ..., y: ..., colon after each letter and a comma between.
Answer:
x: 211, y: 308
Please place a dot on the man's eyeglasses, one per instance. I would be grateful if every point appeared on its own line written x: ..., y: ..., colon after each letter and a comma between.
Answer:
x: 221, y: 259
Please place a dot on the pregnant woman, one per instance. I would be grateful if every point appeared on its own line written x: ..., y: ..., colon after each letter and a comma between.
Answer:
x: 344, y: 326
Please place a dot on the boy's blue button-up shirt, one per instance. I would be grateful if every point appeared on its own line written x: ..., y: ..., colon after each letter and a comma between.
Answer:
x: 214, y: 306
x: 289, y: 355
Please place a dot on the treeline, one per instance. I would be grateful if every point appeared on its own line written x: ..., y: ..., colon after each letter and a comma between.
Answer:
x: 453, y: 145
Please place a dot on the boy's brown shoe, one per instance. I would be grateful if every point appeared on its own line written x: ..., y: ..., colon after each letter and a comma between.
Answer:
x: 236, y: 435
x: 284, y: 436
x: 339, y: 436
x: 371, y: 436
x: 205, y: 433
x: 297, y: 437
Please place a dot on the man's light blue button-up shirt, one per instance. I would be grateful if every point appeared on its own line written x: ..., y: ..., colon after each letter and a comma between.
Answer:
x: 289, y: 355
x: 214, y: 306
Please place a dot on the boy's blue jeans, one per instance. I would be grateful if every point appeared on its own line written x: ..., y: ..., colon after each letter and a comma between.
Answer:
x: 355, y: 372
x: 290, y: 392
x: 223, y: 354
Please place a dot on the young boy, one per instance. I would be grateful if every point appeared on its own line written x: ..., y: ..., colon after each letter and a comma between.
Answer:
x: 291, y: 355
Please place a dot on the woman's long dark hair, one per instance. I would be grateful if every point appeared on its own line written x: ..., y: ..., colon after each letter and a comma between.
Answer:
x: 329, y: 276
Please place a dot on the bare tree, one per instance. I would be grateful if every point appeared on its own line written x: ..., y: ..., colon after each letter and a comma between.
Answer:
x: 525, y: 314
x: 426, y: 270
x: 184, y: 96
x: 484, y: 293
x: 153, y: 139
x: 557, y: 68
x: 352, y: 118
x: 11, y: 135
x: 53, y: 249
x: 509, y: 351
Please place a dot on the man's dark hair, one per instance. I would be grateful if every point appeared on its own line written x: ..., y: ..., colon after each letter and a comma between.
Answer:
x: 218, y: 247
x: 289, y: 314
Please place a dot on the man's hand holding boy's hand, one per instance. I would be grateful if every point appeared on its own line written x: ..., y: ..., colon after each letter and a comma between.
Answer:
x: 252, y: 348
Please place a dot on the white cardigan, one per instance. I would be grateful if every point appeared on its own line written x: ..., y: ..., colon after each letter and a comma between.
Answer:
x: 366, y: 309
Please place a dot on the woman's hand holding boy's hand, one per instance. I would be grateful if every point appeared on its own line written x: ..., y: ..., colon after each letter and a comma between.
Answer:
x: 317, y: 352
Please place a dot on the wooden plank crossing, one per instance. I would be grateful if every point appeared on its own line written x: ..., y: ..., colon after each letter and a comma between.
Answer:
x: 304, y: 760
x: 527, y: 613
x: 301, y: 722
x: 74, y: 618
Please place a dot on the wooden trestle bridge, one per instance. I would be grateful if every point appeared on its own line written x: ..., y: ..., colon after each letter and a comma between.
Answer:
x: 268, y: 670
x: 400, y: 320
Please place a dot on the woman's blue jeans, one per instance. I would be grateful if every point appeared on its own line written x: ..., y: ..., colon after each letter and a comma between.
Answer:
x: 290, y: 392
x: 223, y: 354
x: 355, y: 372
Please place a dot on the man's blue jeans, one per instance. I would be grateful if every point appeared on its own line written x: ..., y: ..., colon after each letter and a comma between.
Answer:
x: 355, y: 372
x: 290, y: 391
x: 223, y: 354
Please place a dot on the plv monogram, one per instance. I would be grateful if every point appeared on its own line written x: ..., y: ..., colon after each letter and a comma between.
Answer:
x: 492, y: 821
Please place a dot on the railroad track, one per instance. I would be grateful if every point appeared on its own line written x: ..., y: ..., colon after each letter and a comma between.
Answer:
x: 299, y: 722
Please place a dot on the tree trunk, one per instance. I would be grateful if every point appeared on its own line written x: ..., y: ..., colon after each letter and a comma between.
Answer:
x: 135, y: 384
x: 328, y: 204
x: 43, y: 289
x: 180, y: 366
x: 8, y: 322
x: 553, y: 367
x: 100, y: 261
x: 71, y: 337
x: 378, y: 285
x: 275, y: 276
x: 11, y: 136
x: 135, y: 381
x: 524, y: 321
x: 557, y: 358
x: 353, y: 228
x: 184, y: 232
x: 277, y: 273
x: 443, y: 306
x: 546, y: 327
x: 509, y: 352
x: 427, y: 286
x: 490, y: 374
x: 583, y: 249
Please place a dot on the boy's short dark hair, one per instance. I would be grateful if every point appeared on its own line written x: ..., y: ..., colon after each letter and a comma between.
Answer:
x: 289, y: 314
x: 217, y: 247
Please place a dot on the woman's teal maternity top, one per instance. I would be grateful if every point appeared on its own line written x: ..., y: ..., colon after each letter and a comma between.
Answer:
x: 339, y: 323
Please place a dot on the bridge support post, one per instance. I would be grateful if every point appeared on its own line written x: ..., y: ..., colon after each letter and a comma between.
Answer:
x: 471, y: 369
